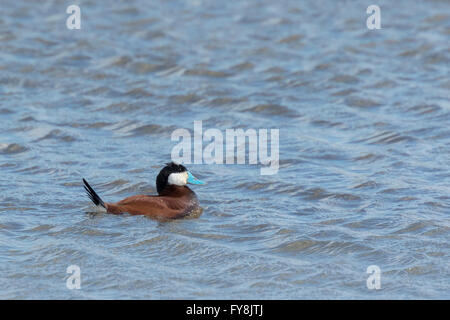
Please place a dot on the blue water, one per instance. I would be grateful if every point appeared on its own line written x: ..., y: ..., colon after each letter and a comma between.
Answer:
x: 364, y: 148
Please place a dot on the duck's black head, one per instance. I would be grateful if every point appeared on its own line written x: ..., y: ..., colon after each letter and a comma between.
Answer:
x: 174, y: 174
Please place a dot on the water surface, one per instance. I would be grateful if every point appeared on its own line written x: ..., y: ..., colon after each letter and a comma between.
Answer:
x: 364, y: 148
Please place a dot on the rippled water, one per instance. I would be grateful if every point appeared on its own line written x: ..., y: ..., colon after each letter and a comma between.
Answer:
x: 364, y: 148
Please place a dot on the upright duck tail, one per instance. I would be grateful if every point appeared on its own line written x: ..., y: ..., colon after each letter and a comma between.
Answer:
x: 93, y: 195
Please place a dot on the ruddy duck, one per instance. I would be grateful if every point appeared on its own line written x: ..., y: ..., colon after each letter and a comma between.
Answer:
x: 174, y: 199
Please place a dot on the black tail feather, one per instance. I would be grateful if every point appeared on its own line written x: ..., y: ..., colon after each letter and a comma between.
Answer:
x: 93, y: 195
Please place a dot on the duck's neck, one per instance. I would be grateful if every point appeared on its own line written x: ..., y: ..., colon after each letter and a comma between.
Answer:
x: 177, y: 191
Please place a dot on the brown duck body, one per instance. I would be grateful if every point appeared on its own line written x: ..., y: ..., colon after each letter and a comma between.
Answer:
x: 173, y: 202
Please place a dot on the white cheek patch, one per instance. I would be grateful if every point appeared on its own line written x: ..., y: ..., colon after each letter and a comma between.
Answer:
x: 178, y: 179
